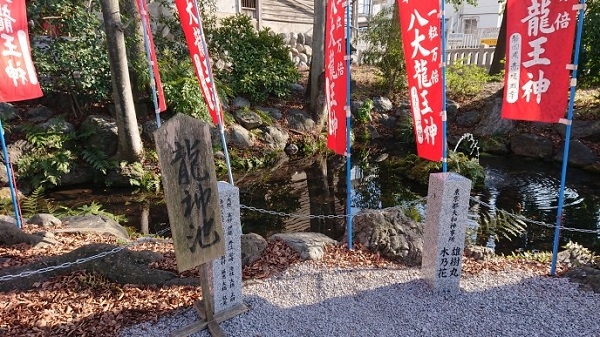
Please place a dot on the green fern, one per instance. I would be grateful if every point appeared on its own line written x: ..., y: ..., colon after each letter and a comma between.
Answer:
x: 97, y: 159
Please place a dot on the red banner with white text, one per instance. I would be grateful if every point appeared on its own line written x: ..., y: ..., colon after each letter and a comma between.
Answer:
x: 143, y: 10
x: 539, y: 36
x: 336, y: 76
x: 420, y: 26
x: 194, y: 36
x: 18, y: 79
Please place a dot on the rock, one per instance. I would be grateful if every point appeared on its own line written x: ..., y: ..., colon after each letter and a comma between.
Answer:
x: 303, y: 58
x: 479, y: 253
x: 492, y: 124
x: 239, y: 137
x: 300, y: 38
x: 275, y: 137
x: 239, y: 103
x: 391, y: 233
x: 8, y: 112
x: 253, y: 245
x: 296, y: 88
x: 581, y: 130
x: 452, y: 109
x: 299, y: 47
x: 57, y: 124
x: 80, y: 174
x: 10, y: 235
x: 382, y: 104
x: 104, y: 133
x: 308, y: 50
x: 273, y: 112
x: 93, y: 223
x: 148, y: 129
x: 248, y: 119
x: 300, y: 120
x: 372, y: 131
x: 39, y: 114
x: 310, y: 246
x: 468, y: 118
x: 6, y: 194
x: 495, y: 145
x: 44, y: 220
x: 291, y: 149
x: 122, y: 175
x: 579, y: 154
x: 588, y: 277
x: 533, y: 146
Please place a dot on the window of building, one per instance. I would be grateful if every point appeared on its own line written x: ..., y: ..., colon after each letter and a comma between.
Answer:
x: 249, y: 4
x: 470, y: 26
x: 364, y: 7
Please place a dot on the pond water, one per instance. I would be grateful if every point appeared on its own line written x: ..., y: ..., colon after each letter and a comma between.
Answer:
x: 317, y: 187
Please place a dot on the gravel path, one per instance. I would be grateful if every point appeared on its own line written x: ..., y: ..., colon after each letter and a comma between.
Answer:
x: 309, y: 300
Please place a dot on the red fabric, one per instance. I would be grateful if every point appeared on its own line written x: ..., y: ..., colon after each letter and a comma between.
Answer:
x: 336, y: 76
x: 143, y: 10
x: 18, y: 79
x: 420, y: 26
x: 194, y: 35
x: 540, y: 35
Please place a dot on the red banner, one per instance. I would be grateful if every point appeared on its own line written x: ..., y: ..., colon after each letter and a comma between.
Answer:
x: 18, y: 79
x: 420, y: 25
x: 143, y: 10
x: 540, y: 35
x: 336, y: 76
x: 194, y: 35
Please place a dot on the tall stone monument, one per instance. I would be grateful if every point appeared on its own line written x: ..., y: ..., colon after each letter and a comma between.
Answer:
x: 445, y: 229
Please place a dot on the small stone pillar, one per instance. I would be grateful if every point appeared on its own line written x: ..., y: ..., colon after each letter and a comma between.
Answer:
x: 227, y: 270
x: 445, y: 229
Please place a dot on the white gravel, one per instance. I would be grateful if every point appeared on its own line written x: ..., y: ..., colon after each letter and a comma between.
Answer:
x: 309, y: 300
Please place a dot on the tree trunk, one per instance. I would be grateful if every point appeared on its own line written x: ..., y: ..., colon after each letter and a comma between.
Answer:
x: 317, y: 62
x: 500, y: 53
x: 130, y: 143
x: 136, y: 49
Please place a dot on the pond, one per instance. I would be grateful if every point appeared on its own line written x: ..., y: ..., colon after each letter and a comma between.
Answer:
x: 313, y: 192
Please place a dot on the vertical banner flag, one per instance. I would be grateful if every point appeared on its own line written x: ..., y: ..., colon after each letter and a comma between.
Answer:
x: 143, y: 10
x: 194, y: 36
x: 420, y: 26
x: 18, y: 79
x: 540, y: 35
x: 335, y: 76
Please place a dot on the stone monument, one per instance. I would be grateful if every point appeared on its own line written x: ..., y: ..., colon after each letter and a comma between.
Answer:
x: 445, y: 229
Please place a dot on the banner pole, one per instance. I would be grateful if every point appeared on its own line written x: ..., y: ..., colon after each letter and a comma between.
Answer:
x: 9, y: 175
x: 215, y: 97
x: 348, y: 125
x: 144, y: 17
x: 561, y: 195
x: 444, y: 100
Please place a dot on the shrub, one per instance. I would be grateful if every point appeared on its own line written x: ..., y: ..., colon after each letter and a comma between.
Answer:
x: 589, y: 64
x: 72, y: 57
x: 465, y: 80
x: 258, y: 62
x: 384, y: 47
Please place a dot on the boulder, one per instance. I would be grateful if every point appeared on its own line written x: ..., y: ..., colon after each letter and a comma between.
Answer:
x: 390, y: 233
x: 533, y: 146
x: 253, y: 245
x: 57, y: 124
x: 579, y: 154
x: 581, y: 130
x: 300, y: 120
x: 275, y: 137
x: 104, y: 133
x: 8, y: 112
x: 382, y: 104
x: 39, y: 114
x: 273, y: 112
x: 239, y: 137
x: 93, y: 223
x: 44, y: 220
x: 248, y: 119
x: 10, y: 235
x: 492, y: 123
x: 239, y: 103
x: 309, y: 245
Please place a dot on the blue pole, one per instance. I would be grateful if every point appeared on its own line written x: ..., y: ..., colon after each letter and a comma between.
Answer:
x: 13, y: 193
x: 561, y: 195
x: 144, y: 16
x: 444, y: 116
x: 215, y: 97
x: 348, y: 125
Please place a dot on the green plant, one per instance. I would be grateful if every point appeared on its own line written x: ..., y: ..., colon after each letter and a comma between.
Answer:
x: 589, y: 63
x: 148, y: 182
x: 259, y: 65
x: 35, y: 203
x: 48, y: 159
x: 542, y: 257
x: 384, y: 47
x: 69, y: 49
x: 500, y: 224
x: 465, y: 80
x: 418, y: 169
x: 363, y: 114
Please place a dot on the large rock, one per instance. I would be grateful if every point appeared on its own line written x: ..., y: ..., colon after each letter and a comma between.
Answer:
x: 581, y: 129
x: 533, y: 146
x: 104, y: 133
x: 300, y: 120
x: 10, y: 235
x: 239, y: 137
x: 93, y: 223
x: 248, y: 119
x: 579, y: 154
x: 492, y: 123
x: 310, y: 246
x: 253, y: 245
x: 274, y: 137
x: 391, y: 233
x: 44, y: 220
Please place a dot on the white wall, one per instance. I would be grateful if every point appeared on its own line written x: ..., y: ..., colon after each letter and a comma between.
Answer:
x: 225, y: 7
x: 488, y: 13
